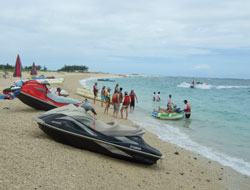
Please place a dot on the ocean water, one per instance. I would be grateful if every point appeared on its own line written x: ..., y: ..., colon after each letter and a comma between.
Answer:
x: 219, y: 126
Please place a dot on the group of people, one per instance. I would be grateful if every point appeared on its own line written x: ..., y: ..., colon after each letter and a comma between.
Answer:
x: 157, y: 97
x: 120, y: 101
x: 171, y: 107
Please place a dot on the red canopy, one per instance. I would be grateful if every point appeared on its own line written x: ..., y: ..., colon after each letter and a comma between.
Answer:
x: 18, y: 68
x: 33, y: 69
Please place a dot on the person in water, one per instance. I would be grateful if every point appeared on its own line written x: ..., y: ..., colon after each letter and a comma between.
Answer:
x: 103, y: 95
x: 125, y: 104
x: 107, y: 101
x: 95, y: 91
x: 132, y: 99
x: 170, y: 100
x: 154, y: 96
x: 158, y: 97
x: 187, y: 109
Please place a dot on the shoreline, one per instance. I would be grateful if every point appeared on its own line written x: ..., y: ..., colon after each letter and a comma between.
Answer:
x: 32, y: 160
x: 184, y: 141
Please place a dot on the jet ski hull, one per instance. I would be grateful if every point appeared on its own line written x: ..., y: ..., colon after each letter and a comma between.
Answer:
x: 35, y: 103
x: 96, y: 142
x: 38, y: 96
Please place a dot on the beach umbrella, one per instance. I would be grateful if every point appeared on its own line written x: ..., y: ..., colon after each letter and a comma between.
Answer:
x: 33, y: 69
x: 18, y: 68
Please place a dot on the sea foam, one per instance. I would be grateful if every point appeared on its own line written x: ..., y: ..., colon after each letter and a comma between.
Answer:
x: 173, y: 135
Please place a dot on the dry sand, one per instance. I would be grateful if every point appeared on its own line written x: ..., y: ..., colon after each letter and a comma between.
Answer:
x: 29, y: 159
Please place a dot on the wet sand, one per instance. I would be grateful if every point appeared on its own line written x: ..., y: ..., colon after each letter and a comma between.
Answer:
x: 29, y: 159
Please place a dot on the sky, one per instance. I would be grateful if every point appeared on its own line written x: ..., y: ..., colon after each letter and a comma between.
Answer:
x: 193, y: 38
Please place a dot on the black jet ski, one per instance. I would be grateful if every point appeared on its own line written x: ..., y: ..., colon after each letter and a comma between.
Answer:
x: 76, y: 127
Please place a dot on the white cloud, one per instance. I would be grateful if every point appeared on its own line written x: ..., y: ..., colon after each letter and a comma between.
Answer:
x: 86, y: 28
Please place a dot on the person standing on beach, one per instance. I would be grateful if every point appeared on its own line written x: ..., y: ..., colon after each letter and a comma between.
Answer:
x: 132, y: 99
x: 116, y: 103
x: 117, y: 87
x: 158, y: 98
x: 107, y: 101
x: 125, y: 105
x: 187, y: 109
x: 154, y: 96
x: 120, y: 97
x: 103, y: 94
x: 95, y: 91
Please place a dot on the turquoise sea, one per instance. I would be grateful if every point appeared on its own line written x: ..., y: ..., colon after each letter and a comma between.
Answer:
x: 219, y: 126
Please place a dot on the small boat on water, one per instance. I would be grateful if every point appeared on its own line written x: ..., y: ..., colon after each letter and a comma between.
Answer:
x: 106, y: 80
x: 74, y: 126
x: 38, y: 96
x: 168, y: 116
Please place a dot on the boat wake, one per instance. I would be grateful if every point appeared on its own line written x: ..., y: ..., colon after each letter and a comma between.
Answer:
x: 229, y: 87
x: 200, y: 86
x: 208, y: 86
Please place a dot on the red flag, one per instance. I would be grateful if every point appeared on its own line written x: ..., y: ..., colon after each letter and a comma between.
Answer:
x: 18, y: 68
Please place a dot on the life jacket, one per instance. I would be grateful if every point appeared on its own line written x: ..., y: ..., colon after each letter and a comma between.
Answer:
x: 132, y: 96
x: 107, y: 96
x: 115, y: 98
x: 188, y: 110
x: 126, y: 100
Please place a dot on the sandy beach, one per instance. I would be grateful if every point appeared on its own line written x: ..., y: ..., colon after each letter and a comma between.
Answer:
x: 29, y: 159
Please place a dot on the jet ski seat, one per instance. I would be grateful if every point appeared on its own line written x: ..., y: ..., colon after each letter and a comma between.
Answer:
x: 115, y: 129
x: 61, y: 99
x: 85, y: 119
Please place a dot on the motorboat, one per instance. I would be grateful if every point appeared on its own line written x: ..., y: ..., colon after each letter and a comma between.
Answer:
x: 76, y: 127
x: 38, y: 96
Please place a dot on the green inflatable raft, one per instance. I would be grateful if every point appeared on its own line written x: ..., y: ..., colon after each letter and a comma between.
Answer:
x: 168, y: 116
